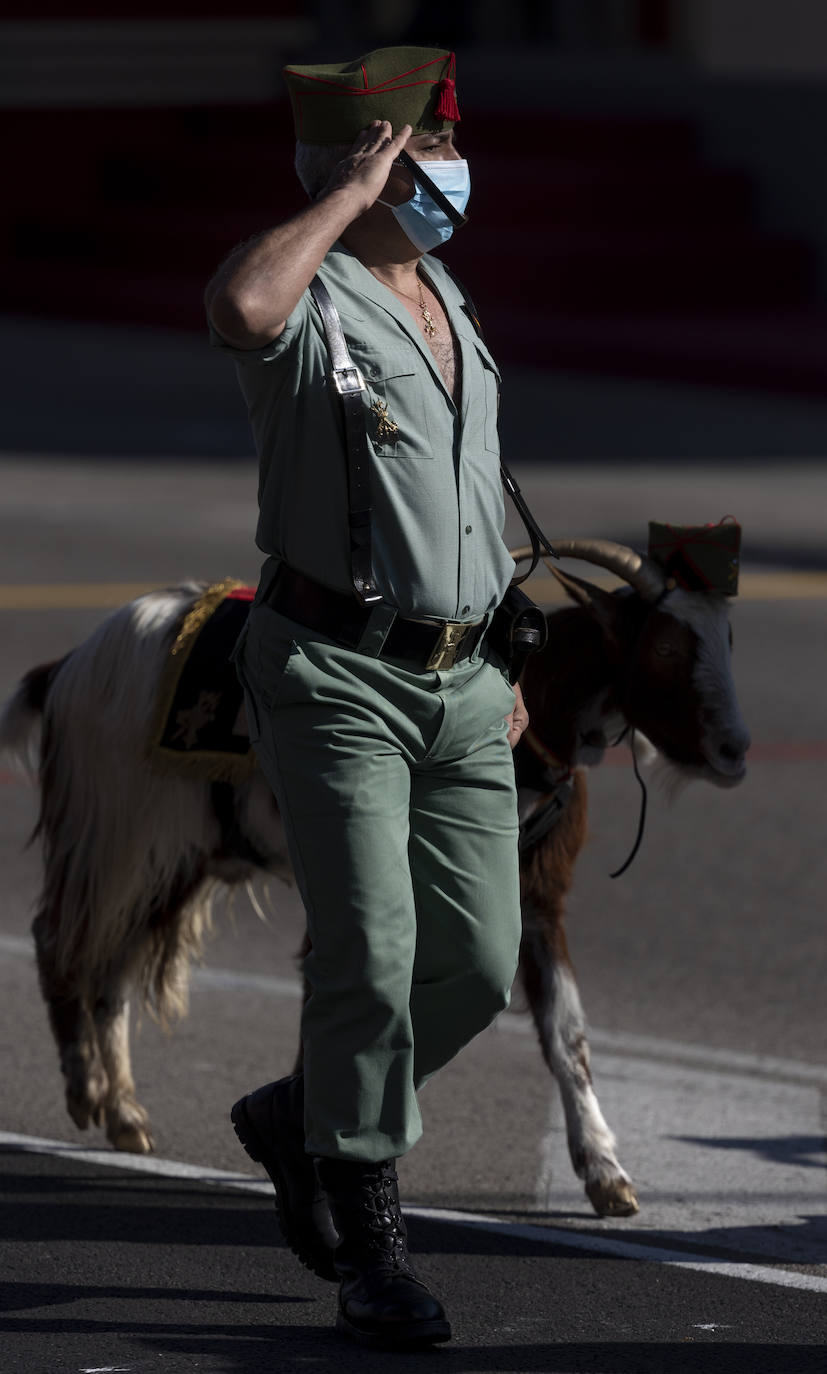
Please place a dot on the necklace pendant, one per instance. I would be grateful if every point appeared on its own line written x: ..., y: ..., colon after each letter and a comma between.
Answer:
x: 429, y: 326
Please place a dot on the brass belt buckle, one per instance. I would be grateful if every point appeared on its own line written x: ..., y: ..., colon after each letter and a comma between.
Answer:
x: 444, y: 653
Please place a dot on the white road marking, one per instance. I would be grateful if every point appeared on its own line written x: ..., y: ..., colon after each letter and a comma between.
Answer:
x: 18, y: 946
x: 625, y: 1249
x: 139, y: 1164
x: 618, y: 1043
x: 201, y: 979
x: 224, y: 979
x: 542, y: 1235
x: 703, y: 1057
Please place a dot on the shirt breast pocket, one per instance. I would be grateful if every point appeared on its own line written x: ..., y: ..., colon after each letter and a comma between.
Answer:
x: 396, y: 408
x: 491, y: 390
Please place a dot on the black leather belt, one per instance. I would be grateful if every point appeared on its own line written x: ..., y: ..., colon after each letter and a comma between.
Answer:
x: 426, y: 643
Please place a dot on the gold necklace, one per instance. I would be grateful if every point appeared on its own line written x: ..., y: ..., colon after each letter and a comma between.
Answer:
x: 429, y: 325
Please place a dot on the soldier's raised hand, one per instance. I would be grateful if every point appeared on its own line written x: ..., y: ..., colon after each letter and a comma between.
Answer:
x: 365, y: 170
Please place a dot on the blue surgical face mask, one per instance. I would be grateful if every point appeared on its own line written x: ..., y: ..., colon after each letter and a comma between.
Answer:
x: 420, y: 218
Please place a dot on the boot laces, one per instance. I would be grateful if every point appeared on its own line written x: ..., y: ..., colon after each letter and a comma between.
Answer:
x: 384, y: 1220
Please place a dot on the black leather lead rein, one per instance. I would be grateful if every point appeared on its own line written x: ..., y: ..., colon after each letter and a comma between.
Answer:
x: 539, y: 543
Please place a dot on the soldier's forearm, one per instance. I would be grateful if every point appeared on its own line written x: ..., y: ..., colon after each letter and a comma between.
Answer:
x: 262, y: 281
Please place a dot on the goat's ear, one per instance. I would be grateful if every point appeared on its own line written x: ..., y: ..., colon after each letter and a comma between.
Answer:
x: 577, y: 588
x: 603, y: 606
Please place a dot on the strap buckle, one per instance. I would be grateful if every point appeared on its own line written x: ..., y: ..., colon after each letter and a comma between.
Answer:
x: 444, y: 652
x: 348, y: 380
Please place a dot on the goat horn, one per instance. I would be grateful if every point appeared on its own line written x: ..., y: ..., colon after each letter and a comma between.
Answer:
x: 647, y: 578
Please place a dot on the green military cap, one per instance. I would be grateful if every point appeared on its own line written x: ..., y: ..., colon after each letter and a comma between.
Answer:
x: 334, y: 101
x: 698, y: 557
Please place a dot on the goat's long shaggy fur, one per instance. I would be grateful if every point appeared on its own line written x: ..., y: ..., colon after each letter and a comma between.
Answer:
x: 20, y: 722
x: 132, y: 858
x: 109, y: 863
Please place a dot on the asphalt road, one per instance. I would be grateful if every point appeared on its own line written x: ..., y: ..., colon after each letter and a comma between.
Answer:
x: 119, y: 1272
x: 701, y: 971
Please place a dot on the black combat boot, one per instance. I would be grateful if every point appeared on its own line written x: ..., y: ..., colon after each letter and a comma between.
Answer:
x: 270, y: 1125
x: 381, y: 1300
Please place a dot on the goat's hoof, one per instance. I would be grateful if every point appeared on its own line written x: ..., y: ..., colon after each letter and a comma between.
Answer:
x: 85, y: 1091
x: 79, y: 1113
x: 614, y: 1197
x: 133, y: 1140
x: 84, y: 1112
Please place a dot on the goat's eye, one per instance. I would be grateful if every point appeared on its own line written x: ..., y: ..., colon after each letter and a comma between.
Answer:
x: 664, y: 649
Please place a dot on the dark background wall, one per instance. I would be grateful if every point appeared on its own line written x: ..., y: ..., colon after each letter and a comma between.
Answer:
x: 647, y: 198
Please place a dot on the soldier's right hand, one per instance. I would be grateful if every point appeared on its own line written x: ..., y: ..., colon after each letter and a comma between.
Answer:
x: 365, y: 170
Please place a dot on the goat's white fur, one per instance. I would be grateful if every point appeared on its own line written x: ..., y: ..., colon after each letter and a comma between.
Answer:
x: 113, y: 857
x: 119, y: 835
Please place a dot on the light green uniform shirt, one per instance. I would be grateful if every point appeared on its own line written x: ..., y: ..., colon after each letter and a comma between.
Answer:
x: 437, y: 498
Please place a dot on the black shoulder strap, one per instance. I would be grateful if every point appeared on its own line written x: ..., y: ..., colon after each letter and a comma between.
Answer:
x: 539, y: 542
x: 349, y: 384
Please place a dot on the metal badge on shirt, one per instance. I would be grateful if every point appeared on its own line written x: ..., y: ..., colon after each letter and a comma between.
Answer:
x: 386, y: 428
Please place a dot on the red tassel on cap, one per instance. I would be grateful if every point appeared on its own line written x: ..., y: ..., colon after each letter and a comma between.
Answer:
x: 446, y: 106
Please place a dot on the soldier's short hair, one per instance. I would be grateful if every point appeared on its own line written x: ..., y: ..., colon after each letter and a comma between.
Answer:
x: 315, y: 163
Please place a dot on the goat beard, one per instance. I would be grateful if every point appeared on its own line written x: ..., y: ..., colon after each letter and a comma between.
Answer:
x: 670, y: 778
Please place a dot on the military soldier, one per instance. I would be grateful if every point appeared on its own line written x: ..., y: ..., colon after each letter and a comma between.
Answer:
x: 382, y: 719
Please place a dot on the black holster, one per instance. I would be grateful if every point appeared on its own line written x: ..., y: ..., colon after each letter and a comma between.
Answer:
x: 518, y: 628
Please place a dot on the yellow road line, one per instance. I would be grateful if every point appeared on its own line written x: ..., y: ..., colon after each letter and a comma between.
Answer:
x: 783, y: 586
x: 752, y: 586
x: 70, y: 596
x: 101, y: 596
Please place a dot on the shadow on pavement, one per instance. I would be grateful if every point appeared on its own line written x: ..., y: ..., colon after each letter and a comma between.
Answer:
x: 115, y: 1271
x: 804, y: 1151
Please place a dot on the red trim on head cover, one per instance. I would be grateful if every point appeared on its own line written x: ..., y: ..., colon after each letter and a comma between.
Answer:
x: 446, y: 107
x: 375, y: 90
x: 413, y: 70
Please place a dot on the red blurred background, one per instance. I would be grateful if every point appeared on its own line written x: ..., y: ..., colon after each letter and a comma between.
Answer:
x: 644, y: 203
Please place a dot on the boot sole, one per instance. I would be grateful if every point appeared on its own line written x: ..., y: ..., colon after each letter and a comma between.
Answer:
x: 412, y: 1336
x: 318, y: 1263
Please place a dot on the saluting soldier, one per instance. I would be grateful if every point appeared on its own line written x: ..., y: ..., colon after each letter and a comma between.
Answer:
x: 379, y: 714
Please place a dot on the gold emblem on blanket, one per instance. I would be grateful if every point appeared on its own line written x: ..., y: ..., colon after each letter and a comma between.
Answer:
x: 189, y: 724
x: 386, y: 428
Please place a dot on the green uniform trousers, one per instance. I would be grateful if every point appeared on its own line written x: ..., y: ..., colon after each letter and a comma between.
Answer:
x: 396, y: 788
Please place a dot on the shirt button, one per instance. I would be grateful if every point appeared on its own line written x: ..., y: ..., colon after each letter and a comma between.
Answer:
x: 468, y: 529
x: 465, y: 610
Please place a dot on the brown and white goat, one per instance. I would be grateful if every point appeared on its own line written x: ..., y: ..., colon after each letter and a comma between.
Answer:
x: 132, y: 858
